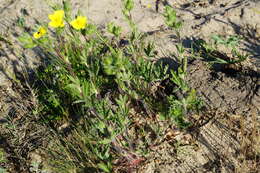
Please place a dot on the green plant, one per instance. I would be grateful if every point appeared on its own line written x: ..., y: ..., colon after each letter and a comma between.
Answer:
x: 2, y: 156
x: 2, y: 160
x: 179, y: 108
x: 211, y: 51
x: 231, y: 41
x: 127, y: 8
x: 113, y: 29
x: 171, y: 20
x: 185, y: 99
x: 2, y: 170
x: 91, y: 89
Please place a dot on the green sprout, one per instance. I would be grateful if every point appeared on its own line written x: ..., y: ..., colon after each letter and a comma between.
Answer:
x: 171, y: 18
x: 113, y: 29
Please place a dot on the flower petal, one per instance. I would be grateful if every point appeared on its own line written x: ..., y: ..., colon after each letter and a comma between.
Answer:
x: 79, y: 23
x: 56, y: 19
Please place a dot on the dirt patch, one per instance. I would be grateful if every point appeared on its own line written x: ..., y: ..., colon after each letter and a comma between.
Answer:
x: 19, y: 134
x: 216, y: 147
x: 225, y: 90
x: 219, y: 141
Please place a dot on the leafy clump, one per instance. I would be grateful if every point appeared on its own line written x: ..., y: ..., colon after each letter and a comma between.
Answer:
x: 212, y: 54
x: 92, y: 90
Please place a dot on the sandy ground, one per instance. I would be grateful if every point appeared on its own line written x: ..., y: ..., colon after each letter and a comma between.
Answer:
x: 202, y: 19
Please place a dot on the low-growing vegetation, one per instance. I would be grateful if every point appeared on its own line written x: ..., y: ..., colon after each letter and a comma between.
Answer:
x: 94, y: 90
x: 103, y: 97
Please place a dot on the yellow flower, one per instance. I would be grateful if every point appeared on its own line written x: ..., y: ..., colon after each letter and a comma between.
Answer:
x: 56, y: 19
x: 149, y: 6
x: 41, y: 32
x: 79, y: 23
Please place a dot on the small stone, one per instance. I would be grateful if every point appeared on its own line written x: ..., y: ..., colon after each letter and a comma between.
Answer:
x: 35, y: 157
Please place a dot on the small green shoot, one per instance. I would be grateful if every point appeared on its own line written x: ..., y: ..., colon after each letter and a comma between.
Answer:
x: 113, y: 29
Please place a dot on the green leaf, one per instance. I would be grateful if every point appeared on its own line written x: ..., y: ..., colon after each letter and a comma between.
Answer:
x: 105, y: 141
x: 178, y: 25
x: 27, y: 41
x: 101, y: 125
x: 149, y: 49
x: 162, y: 117
x: 21, y: 21
x: 104, y: 167
x: 66, y: 6
x: 171, y: 18
x: 74, y: 88
x: 180, y: 48
x: 191, y: 97
x: 54, y: 101
x: 91, y: 29
x: 113, y: 29
x: 128, y: 5
x: 2, y: 170
x: 218, y: 39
